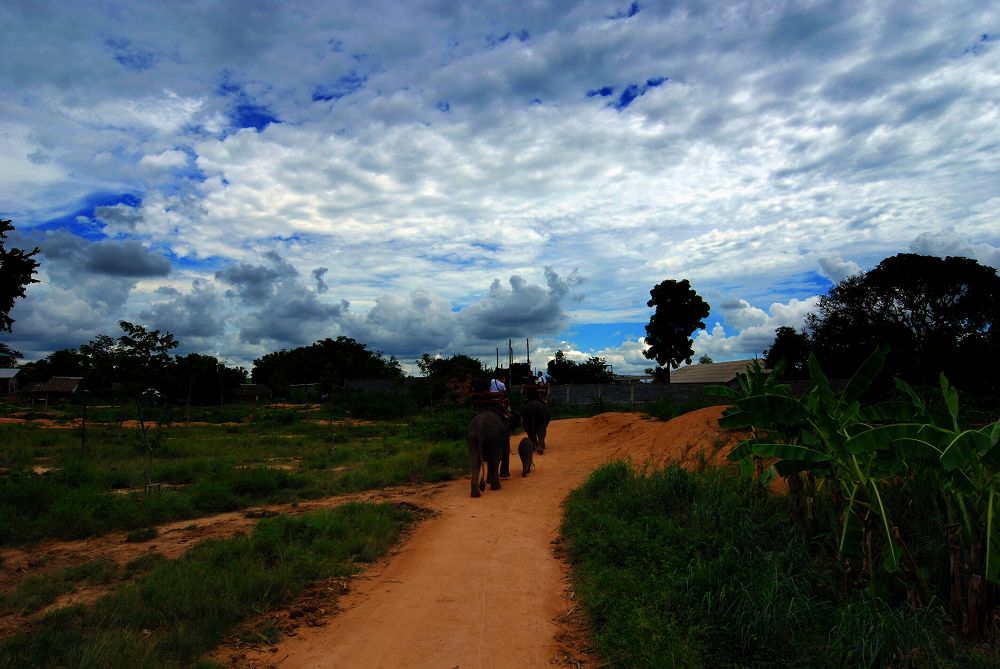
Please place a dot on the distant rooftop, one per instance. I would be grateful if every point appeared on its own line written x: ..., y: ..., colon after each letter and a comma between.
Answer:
x: 9, y: 372
x: 713, y: 372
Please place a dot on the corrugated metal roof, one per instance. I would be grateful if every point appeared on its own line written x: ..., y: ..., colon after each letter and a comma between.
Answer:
x: 9, y: 372
x: 713, y: 372
x: 62, y: 384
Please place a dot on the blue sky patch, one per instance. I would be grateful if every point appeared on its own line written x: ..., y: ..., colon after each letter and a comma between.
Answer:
x: 130, y: 58
x: 604, y: 91
x: 443, y: 106
x: 250, y: 115
x: 81, y: 220
x: 595, y: 336
x: 342, y: 87
x: 632, y: 10
x: 633, y: 91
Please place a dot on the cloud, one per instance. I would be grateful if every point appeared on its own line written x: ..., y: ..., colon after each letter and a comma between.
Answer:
x: 519, y: 310
x: 128, y: 258
x: 198, y: 315
x: 416, y: 169
x: 837, y: 269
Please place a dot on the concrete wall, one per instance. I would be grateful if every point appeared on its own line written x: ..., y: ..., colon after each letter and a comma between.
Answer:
x: 624, y: 394
x: 582, y: 393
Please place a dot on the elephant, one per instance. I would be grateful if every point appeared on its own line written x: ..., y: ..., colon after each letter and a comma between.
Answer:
x: 489, y: 445
x: 526, y: 450
x: 535, y: 418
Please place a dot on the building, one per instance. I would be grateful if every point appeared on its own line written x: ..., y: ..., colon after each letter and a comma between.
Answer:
x: 8, y: 380
x: 720, y: 373
x: 55, y: 388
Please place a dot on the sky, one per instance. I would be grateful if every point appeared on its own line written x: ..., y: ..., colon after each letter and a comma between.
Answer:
x: 444, y: 177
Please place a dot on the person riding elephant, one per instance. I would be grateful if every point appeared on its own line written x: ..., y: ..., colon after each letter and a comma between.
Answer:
x: 489, y: 444
x: 535, y: 419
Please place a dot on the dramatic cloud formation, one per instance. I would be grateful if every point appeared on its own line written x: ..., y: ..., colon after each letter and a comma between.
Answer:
x: 438, y: 179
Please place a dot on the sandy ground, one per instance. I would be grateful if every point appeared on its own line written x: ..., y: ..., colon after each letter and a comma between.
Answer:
x: 478, y: 585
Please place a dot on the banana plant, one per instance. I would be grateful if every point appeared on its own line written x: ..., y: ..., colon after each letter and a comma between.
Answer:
x: 811, y: 434
x: 963, y: 465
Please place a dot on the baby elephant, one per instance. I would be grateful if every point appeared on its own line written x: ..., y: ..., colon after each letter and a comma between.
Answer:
x: 527, y: 451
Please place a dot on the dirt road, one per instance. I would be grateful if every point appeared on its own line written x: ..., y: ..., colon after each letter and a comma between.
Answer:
x: 479, y: 585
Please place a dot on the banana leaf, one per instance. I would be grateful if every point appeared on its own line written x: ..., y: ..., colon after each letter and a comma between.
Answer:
x: 852, y: 535
x: 864, y: 376
x: 766, y: 412
x: 793, y: 452
x: 964, y: 449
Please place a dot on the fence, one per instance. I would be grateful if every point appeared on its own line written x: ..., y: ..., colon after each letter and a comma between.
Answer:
x: 572, y: 393
x: 624, y: 394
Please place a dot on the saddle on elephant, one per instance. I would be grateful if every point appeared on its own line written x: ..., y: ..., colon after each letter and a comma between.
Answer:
x: 535, y: 391
x: 489, y: 401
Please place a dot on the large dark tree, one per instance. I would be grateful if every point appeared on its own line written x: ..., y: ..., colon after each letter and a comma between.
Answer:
x: 17, y: 270
x: 202, y: 379
x: 679, y: 311
x: 137, y: 360
x: 327, y: 363
x: 563, y: 370
x: 936, y: 314
x: 793, y: 346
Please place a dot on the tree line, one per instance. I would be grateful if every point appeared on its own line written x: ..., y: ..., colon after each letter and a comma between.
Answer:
x: 934, y: 314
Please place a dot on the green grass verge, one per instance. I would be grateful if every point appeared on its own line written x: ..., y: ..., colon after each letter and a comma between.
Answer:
x: 49, y: 489
x: 698, y: 570
x: 179, y: 610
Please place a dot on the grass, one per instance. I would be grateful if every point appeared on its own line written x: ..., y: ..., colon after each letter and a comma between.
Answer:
x: 50, y: 489
x: 177, y: 610
x: 699, y: 570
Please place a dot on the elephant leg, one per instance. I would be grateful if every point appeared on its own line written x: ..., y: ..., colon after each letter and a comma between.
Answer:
x: 540, y: 440
x: 525, y: 449
x: 494, y: 466
x: 505, y: 459
x: 475, y: 467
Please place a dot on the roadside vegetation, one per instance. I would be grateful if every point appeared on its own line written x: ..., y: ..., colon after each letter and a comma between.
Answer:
x: 50, y: 487
x: 883, y: 552
x: 177, y: 610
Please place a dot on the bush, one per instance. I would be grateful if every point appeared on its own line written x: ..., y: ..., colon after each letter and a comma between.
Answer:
x: 700, y: 570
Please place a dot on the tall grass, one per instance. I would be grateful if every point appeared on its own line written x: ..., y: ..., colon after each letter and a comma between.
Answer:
x: 208, y: 469
x: 699, y: 570
x: 181, y: 609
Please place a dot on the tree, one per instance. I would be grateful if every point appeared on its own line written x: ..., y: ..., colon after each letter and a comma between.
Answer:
x: 451, y: 379
x: 202, y: 379
x: 8, y: 356
x: 563, y: 370
x: 705, y: 359
x: 17, y: 270
x: 679, y: 311
x: 138, y: 359
x: 936, y: 314
x: 793, y: 347
x: 327, y: 363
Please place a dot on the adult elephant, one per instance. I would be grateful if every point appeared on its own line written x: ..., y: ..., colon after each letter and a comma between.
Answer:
x: 535, y: 418
x: 489, y: 445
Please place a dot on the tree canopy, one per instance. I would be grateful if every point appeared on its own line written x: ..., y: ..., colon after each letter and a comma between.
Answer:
x: 679, y: 311
x: 327, y: 363
x: 563, y: 370
x: 17, y: 271
x: 936, y: 314
x: 793, y: 346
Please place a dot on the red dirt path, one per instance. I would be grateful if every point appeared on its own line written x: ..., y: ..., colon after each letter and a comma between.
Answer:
x: 479, y: 585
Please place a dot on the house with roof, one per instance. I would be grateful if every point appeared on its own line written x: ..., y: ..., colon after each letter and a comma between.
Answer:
x: 55, y: 388
x: 711, y: 373
x: 8, y: 380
